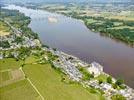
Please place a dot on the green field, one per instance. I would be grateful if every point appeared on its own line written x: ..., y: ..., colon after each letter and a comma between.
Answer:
x: 9, y: 63
x: 102, y: 77
x: 4, y: 76
x: 49, y: 84
x: 14, y: 89
x: 31, y: 59
x: 4, y: 29
x: 89, y: 21
x: 46, y: 79
x: 122, y: 27
x: 21, y: 90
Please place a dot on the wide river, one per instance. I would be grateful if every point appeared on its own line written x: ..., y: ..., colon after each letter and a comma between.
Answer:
x: 73, y: 37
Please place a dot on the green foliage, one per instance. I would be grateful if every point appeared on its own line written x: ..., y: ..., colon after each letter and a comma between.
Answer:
x: 24, y: 52
x: 100, y: 81
x: 4, y: 44
x: 19, y: 21
x: 43, y: 45
x: 118, y: 97
x: 114, y: 86
x: 18, y: 40
x: 106, y: 27
x: 92, y: 90
x: 101, y: 78
x: 109, y: 79
x: 101, y: 91
x: 85, y: 73
x: 122, y: 86
x: 51, y: 56
x: 119, y: 82
x: 54, y: 49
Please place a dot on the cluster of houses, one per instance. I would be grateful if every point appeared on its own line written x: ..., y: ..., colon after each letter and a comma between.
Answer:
x: 27, y: 42
x: 68, y: 67
x: 107, y: 88
x: 8, y: 53
x: 68, y: 63
x: 17, y: 33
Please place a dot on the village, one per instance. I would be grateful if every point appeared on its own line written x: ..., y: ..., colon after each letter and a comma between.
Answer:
x: 69, y: 63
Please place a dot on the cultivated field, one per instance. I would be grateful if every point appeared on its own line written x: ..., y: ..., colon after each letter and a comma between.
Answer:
x: 13, y: 85
x: 49, y: 84
x: 4, y: 29
x: 10, y: 71
x: 21, y: 90
x: 9, y: 63
x: 37, y: 82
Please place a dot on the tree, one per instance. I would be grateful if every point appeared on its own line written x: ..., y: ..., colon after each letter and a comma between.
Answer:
x: 54, y: 49
x: 24, y: 52
x: 109, y: 79
x: 18, y: 40
x: 45, y: 46
x: 4, y: 44
x: 114, y: 86
x: 119, y: 82
x: 100, y: 81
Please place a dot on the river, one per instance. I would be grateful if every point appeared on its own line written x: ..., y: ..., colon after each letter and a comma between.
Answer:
x: 73, y: 37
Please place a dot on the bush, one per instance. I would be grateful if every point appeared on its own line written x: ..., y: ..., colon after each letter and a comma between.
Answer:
x: 4, y: 44
x: 118, y: 97
x: 45, y: 46
x: 109, y: 79
x: 100, y: 81
x: 119, y: 82
x: 92, y: 90
x: 85, y: 73
x: 114, y: 86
